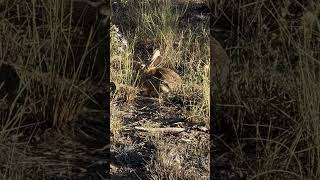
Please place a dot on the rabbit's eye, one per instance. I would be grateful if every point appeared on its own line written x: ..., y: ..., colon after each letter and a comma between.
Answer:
x: 152, y: 71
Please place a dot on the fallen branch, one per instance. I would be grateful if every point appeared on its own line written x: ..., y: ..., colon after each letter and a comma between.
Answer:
x: 163, y: 130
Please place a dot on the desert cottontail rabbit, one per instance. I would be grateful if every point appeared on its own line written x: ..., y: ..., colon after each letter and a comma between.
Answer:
x: 155, y: 79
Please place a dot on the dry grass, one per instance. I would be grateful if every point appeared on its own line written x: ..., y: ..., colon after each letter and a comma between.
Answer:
x: 267, y: 121
x: 146, y: 26
x: 47, y: 79
x: 266, y: 118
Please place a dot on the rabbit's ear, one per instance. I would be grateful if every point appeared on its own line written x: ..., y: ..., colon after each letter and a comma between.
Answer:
x: 156, y: 59
x: 155, y: 55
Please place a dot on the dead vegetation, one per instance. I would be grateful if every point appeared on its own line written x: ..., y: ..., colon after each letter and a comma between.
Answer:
x: 265, y: 116
x: 160, y: 137
x: 52, y: 63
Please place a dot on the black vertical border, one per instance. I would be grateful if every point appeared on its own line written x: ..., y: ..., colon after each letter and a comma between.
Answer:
x: 108, y: 94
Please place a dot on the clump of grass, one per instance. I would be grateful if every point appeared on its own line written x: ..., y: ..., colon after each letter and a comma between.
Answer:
x: 122, y: 72
x: 155, y: 20
x: 121, y: 59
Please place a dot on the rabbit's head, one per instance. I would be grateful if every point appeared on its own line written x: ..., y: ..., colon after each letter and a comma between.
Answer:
x: 151, y: 67
x: 154, y: 79
x: 155, y: 61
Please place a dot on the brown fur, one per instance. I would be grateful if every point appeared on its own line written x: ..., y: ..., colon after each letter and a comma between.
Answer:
x: 155, y: 80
